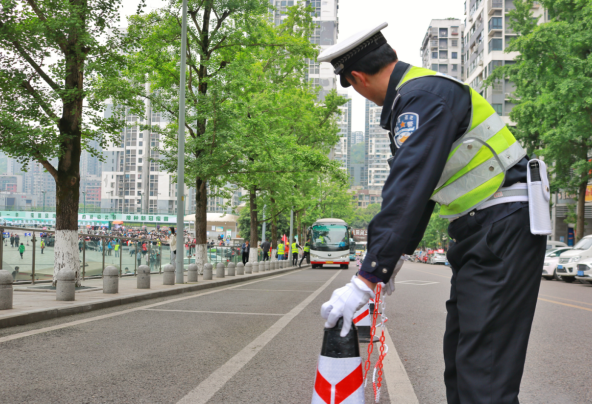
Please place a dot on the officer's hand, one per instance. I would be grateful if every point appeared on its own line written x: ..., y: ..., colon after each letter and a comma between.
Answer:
x: 389, y: 287
x: 344, y: 303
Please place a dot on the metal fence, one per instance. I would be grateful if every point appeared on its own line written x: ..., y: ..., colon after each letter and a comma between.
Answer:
x: 36, y: 262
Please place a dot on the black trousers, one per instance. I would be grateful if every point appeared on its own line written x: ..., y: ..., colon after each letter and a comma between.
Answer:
x: 265, y: 256
x: 294, y: 259
x: 304, y: 255
x: 245, y: 258
x: 496, y: 274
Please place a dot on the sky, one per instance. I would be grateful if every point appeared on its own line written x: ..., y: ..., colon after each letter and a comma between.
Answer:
x: 408, y: 22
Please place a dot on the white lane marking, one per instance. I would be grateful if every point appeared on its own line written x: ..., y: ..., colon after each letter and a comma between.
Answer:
x: 417, y: 283
x: 119, y: 313
x: 396, y: 378
x: 279, y: 290
x: 210, y: 386
x: 217, y: 312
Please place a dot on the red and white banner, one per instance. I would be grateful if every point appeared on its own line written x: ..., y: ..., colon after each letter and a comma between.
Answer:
x: 339, y: 380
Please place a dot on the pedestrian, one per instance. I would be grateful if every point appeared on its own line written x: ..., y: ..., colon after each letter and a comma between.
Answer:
x: 42, y: 245
x: 280, y: 250
x: 116, y: 248
x: 139, y: 257
x: 21, y: 250
x: 295, y: 248
x: 16, y: 240
x: 265, y: 247
x: 144, y: 248
x: 305, y: 253
x: 173, y: 246
x: 12, y: 239
x: 245, y: 252
x: 450, y: 147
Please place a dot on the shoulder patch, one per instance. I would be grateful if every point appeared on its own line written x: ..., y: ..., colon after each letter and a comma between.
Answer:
x: 407, y: 123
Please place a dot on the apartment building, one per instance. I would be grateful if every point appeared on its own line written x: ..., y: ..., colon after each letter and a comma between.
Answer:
x: 487, y: 35
x: 357, y: 137
x: 341, y: 151
x: 376, y: 169
x: 90, y: 191
x: 364, y: 197
x: 442, y: 48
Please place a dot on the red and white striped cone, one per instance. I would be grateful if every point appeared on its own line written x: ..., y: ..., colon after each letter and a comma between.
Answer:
x: 363, y: 321
x: 340, y: 377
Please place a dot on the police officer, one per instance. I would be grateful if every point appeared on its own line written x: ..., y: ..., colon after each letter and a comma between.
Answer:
x: 305, y: 252
x: 451, y: 148
x: 280, y: 250
x: 295, y: 248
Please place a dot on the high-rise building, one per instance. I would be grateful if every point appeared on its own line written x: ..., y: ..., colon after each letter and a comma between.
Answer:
x: 357, y: 137
x: 378, y: 150
x: 487, y: 34
x: 341, y: 151
x: 442, y: 48
x: 325, y: 35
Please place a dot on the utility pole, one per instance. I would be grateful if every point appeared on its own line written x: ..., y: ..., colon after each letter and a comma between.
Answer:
x: 291, y: 234
x: 263, y: 228
x: 181, y: 153
x: 84, y: 201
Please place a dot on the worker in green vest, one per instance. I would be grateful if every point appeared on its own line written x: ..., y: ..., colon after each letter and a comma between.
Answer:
x: 280, y: 250
x: 305, y: 252
x: 450, y: 147
x: 295, y: 248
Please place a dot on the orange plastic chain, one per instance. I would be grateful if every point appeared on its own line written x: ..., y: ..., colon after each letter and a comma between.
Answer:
x: 372, y: 333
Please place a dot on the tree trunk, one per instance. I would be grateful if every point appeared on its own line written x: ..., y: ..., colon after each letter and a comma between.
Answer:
x: 581, y: 210
x: 254, y: 225
x: 299, y: 228
x: 274, y: 235
x: 201, y: 223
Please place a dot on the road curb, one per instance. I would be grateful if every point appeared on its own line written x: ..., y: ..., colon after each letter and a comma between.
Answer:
x: 48, y: 314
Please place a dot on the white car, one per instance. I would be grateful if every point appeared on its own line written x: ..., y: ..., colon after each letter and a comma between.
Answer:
x: 551, y: 245
x: 584, y: 271
x: 438, y: 258
x: 569, y: 260
x: 551, y: 261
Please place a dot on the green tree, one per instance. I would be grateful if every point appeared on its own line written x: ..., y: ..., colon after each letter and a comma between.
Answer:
x: 436, y: 234
x: 362, y: 216
x: 57, y: 57
x: 553, y: 77
x: 358, y: 152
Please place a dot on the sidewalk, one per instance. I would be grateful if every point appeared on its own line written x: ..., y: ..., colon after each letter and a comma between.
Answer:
x: 32, y: 306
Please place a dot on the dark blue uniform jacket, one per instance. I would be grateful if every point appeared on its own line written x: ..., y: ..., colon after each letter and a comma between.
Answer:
x: 443, y: 112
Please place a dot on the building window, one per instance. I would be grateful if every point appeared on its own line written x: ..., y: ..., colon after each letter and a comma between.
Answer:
x: 443, y: 69
x: 495, y: 45
x: 435, y: 55
x: 454, y: 30
x: 495, y: 23
x: 454, y: 42
x: 435, y: 67
x: 498, y: 108
x: 443, y: 32
x: 443, y: 55
x: 454, y: 55
x: 454, y: 69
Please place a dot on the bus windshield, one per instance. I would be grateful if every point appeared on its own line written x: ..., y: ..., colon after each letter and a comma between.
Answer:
x: 330, y: 237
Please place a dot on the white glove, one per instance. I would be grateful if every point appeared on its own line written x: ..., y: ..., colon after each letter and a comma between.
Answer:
x: 389, y: 287
x: 344, y: 303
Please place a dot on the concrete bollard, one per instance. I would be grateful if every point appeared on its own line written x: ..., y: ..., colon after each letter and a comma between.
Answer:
x: 231, y: 268
x: 249, y: 268
x: 220, y: 270
x: 255, y: 267
x: 168, y: 275
x: 66, y: 285
x: 267, y: 265
x: 240, y: 269
x: 284, y: 264
x: 272, y: 265
x: 192, y: 273
x: 143, y: 281
x: 207, y: 272
x: 5, y: 290
x: 111, y: 279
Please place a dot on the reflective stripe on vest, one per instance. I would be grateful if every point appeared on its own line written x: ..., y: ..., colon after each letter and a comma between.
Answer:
x: 280, y: 249
x: 294, y: 248
x: 477, y: 164
x: 306, y: 248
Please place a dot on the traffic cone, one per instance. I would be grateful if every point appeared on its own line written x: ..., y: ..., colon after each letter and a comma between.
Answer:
x: 339, y: 376
x: 363, y: 322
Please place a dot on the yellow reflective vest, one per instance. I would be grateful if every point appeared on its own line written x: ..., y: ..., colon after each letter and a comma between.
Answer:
x: 294, y: 248
x: 478, y: 161
x: 280, y: 249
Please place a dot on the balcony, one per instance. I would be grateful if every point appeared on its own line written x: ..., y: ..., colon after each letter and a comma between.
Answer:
x: 494, y: 5
x: 433, y: 44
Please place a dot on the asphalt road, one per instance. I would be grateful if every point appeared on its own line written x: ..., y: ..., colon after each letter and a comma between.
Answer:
x: 558, y: 364
x: 258, y: 342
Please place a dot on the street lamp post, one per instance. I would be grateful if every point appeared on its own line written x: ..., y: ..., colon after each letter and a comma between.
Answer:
x: 181, y: 151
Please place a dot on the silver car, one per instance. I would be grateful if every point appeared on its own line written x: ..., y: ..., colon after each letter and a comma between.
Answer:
x: 438, y: 258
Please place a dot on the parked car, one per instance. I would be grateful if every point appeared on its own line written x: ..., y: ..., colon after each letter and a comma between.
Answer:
x: 569, y: 260
x: 438, y: 258
x: 584, y: 271
x: 551, y: 261
x: 552, y: 245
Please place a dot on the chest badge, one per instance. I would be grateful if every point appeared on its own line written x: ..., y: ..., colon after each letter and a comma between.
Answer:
x: 407, y: 123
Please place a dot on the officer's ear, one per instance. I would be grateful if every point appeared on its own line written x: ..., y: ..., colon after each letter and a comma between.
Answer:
x: 357, y: 78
